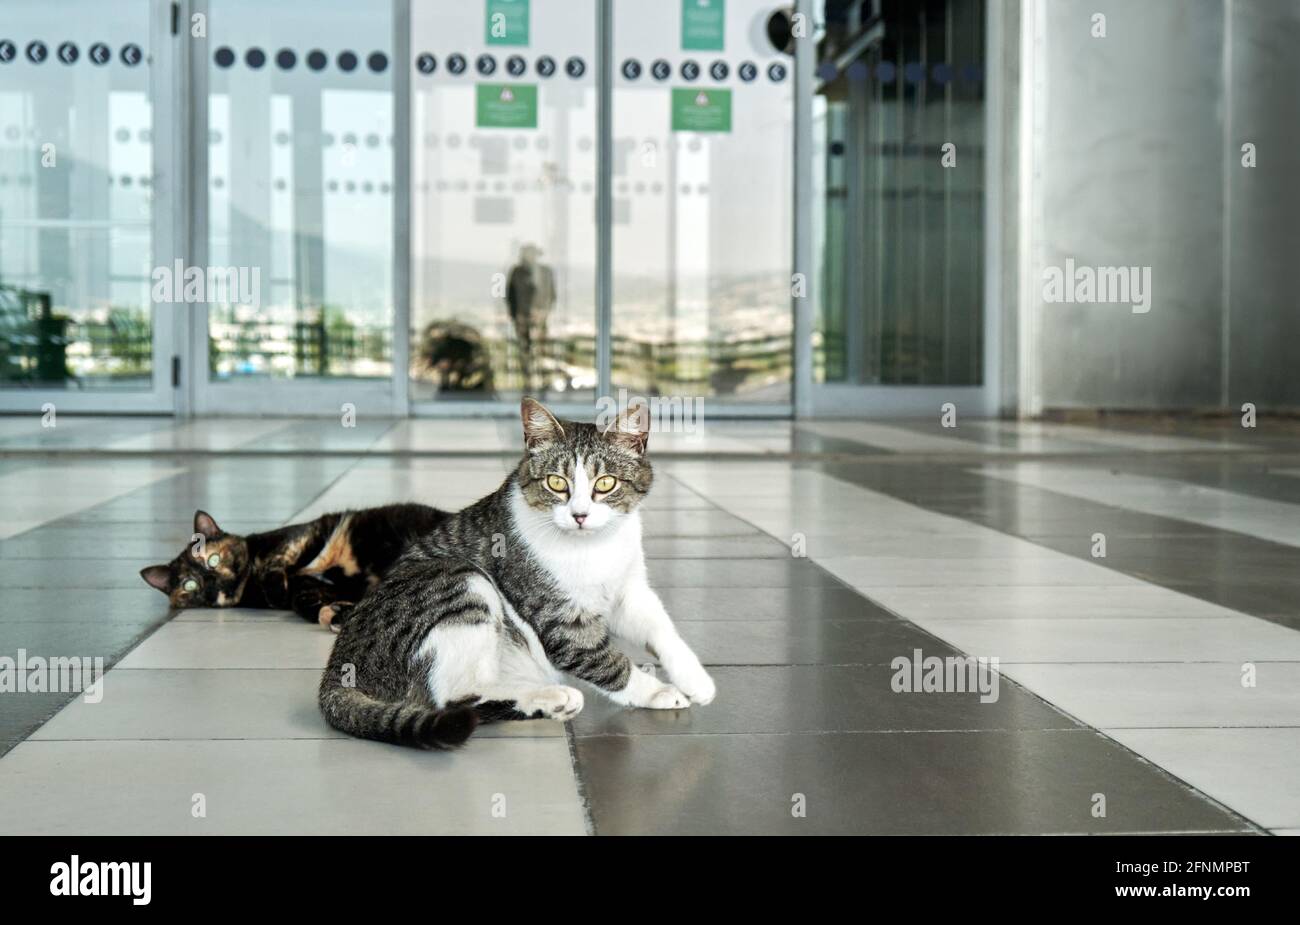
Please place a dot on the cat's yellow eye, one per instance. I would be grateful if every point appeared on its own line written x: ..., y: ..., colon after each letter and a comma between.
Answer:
x: 557, y: 484
x: 190, y: 585
x: 214, y: 560
x: 605, y: 484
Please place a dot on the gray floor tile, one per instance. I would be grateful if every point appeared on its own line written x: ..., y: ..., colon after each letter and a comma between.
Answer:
x: 139, y: 606
x: 715, y: 547
x: 952, y: 783
x: 677, y: 522
x: 795, y: 605
x: 805, y: 642
x: 320, y: 787
x: 738, y: 573
x: 795, y: 699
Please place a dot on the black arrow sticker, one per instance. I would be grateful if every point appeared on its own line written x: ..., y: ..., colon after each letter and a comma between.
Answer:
x: 516, y: 65
x: 546, y: 65
x: 36, y: 52
x: 426, y: 63
x: 776, y: 71
x: 661, y: 70
x: 456, y: 64
x: 575, y: 67
x: 718, y: 70
x: 131, y: 55
x: 690, y: 70
x: 747, y: 71
x: 7, y: 51
x: 485, y: 64
x: 69, y: 53
x: 631, y: 69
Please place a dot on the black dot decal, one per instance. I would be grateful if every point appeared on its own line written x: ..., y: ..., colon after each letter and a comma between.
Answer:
x: 377, y: 62
x: 224, y: 57
x: 255, y: 58
x: 316, y: 59
x: 285, y: 59
x: 347, y: 61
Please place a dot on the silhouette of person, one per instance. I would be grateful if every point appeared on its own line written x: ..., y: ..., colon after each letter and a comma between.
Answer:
x: 530, y: 296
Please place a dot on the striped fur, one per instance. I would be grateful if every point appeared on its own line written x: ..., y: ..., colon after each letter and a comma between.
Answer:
x: 496, y: 605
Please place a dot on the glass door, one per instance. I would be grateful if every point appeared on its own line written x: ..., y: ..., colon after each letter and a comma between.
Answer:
x: 901, y: 327
x: 503, y: 161
x: 87, y: 195
x: 703, y: 116
x: 295, y: 212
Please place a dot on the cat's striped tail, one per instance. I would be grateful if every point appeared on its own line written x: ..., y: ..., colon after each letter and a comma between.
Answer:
x: 357, y: 713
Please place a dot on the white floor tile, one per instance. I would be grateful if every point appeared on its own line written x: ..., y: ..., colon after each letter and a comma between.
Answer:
x: 324, y: 787
x: 1033, y: 603
x: 220, y: 704
x: 1260, y: 517
x: 1254, y: 771
x: 870, y: 573
x: 1233, y: 640
x: 234, y: 644
x: 1163, y: 695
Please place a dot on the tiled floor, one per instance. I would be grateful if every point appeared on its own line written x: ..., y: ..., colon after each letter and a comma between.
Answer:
x: 1152, y: 688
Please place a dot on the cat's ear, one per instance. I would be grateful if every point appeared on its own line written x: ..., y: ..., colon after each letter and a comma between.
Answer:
x: 157, y: 576
x: 540, y: 426
x: 631, y: 429
x: 203, y: 523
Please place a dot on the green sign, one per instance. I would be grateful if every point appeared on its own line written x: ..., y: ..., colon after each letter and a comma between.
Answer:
x: 702, y: 25
x: 701, y: 110
x: 507, y: 22
x: 506, y: 105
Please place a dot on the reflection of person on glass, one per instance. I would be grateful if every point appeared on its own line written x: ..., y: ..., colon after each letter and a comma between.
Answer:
x: 530, y: 295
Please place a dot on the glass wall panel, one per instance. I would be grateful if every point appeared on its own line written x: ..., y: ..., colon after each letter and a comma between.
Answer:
x: 76, y: 195
x: 300, y: 190
x: 703, y: 134
x: 902, y: 272
x: 503, y: 173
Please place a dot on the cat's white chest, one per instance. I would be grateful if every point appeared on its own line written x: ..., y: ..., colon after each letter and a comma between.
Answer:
x: 593, y: 571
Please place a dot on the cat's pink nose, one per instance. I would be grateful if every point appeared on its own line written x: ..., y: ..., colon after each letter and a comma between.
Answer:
x: 579, y: 518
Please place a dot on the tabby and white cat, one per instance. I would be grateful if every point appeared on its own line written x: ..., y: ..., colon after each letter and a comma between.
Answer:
x: 483, y: 617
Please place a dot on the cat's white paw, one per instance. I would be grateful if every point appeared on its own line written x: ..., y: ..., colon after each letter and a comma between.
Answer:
x: 556, y: 702
x: 668, y: 698
x: 697, y: 685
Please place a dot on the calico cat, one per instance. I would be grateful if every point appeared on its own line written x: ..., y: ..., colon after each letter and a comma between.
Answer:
x: 481, y: 617
x: 318, y: 569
